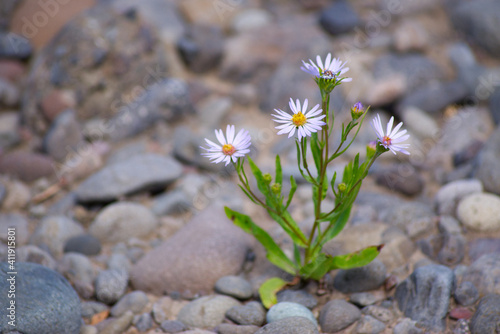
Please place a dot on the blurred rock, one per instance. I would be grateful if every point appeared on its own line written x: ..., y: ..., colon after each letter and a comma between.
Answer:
x: 407, y: 326
x: 57, y: 101
x: 236, y: 329
x: 495, y: 105
x: 419, y: 122
x: 402, y: 178
x: 466, y: 294
x: 290, y: 325
x: 78, y: 269
x: 85, y: 244
x: 481, y: 246
x: 134, y: 301
x: 234, y: 286
x: 410, y: 36
x: 449, y: 195
x: 110, y: 285
x: 483, y: 273
x: 14, y: 46
x: 206, y: 312
x: 173, y: 326
x: 369, y: 277
x: 480, y: 212
x: 488, y: 171
x: 337, y: 314
x: 286, y: 310
x: 201, y: 48
x: 339, y: 18
x: 63, y: 136
x: 368, y: 324
x: 34, y: 254
x: 250, y: 19
x: 252, y: 313
x: 9, y: 93
x: 9, y: 134
x: 380, y: 313
x: 297, y: 296
x: 18, y: 223
x: 487, y: 315
x: 26, y: 166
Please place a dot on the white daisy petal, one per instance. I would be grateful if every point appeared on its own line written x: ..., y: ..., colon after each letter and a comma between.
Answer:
x: 233, y: 146
x: 392, y: 139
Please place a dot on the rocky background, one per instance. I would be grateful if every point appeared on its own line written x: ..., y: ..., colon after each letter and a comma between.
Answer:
x: 119, y: 221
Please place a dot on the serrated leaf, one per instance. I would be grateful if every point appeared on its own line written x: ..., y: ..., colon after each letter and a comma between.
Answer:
x: 269, y: 289
x: 273, y: 252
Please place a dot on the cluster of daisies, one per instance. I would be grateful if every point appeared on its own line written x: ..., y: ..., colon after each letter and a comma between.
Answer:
x: 302, y: 121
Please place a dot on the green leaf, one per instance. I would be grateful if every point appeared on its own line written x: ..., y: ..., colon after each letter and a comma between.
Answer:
x: 248, y: 194
x: 290, y: 227
x: 273, y: 252
x: 279, y: 172
x: 269, y: 289
x: 315, y: 269
x: 296, y: 254
x: 292, y: 191
x: 299, y: 159
x: 261, y: 183
x: 316, y: 151
x: 337, y: 224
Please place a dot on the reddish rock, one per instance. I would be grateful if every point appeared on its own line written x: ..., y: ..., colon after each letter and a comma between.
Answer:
x: 461, y: 313
x: 56, y: 102
x: 11, y: 70
x: 26, y: 166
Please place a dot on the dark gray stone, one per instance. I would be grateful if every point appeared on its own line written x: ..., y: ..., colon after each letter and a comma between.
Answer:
x: 14, y: 46
x: 337, y: 314
x: 484, y: 274
x: 143, y: 322
x: 482, y: 246
x: 134, y: 301
x: 339, y: 18
x: 234, y: 286
x: 488, y: 170
x: 85, y: 244
x: 495, y: 105
x: 479, y: 20
x: 250, y: 314
x: 487, y: 316
x: 78, y: 269
x: 297, y: 296
x: 466, y: 294
x: 236, y: 329
x: 401, y: 178
x: 110, y: 285
x: 424, y: 296
x: 369, y: 325
x: 45, y: 302
x: 89, y: 308
x: 64, y: 136
x: 171, y: 202
x: 172, y: 326
x: 141, y: 172
x: 290, y: 325
x: 201, y: 48
x: 366, y: 278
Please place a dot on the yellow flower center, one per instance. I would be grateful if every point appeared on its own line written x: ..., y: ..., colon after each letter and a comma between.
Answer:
x: 299, y: 119
x: 228, y: 149
x: 387, y: 140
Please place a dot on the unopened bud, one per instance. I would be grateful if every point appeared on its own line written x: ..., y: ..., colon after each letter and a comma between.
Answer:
x: 342, y: 187
x: 276, y: 188
x: 371, y: 148
x: 267, y: 178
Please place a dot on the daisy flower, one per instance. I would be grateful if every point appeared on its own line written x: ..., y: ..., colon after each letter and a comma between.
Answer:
x: 305, y: 122
x: 393, y: 138
x: 333, y: 68
x: 229, y: 150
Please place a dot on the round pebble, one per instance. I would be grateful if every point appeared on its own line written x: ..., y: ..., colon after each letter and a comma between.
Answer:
x: 134, y: 301
x: 466, y: 293
x: 337, y: 314
x: 287, y: 309
x: 252, y: 313
x: 85, y: 244
x: 172, y: 326
x: 297, y: 296
x: 207, y: 311
x: 234, y: 286
x: 480, y: 212
x: 110, y: 285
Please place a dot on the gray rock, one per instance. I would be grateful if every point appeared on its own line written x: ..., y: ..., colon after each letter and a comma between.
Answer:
x: 110, y: 285
x: 478, y: 21
x: 78, y: 269
x: 52, y: 232
x: 142, y: 172
x: 286, y: 309
x: 297, y: 296
x: 484, y: 273
x: 407, y: 213
x: 201, y: 48
x: 495, y: 105
x: 339, y: 18
x: 234, y: 286
x: 134, y: 301
x: 171, y: 202
x: 119, y: 261
x: 466, y: 293
x: 365, y: 298
x: 487, y: 163
x: 85, y: 244
x: 407, y: 326
x: 366, y: 278
x: 64, y: 136
x: 337, y: 314
x: 378, y: 312
x: 9, y: 134
x: 487, y: 315
x: 34, y: 254
x: 424, y: 296
x: 14, y: 46
x: 26, y: 166
x: 453, y: 249
x: 250, y: 314
x: 369, y: 325
x: 214, y: 247
x: 63, y: 206
x: 449, y: 195
x: 89, y: 308
x: 143, y: 322
x: 250, y: 19
x: 401, y: 178
x: 116, y: 325
x: 206, y: 312
x: 119, y: 221
x: 419, y: 122
x: 236, y: 329
x: 480, y: 212
x: 172, y: 326
x: 19, y: 225
x: 482, y: 246
x: 45, y: 303
x: 290, y: 325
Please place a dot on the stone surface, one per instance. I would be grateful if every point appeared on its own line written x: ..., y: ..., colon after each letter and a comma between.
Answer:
x: 52, y: 233
x: 172, y: 326
x: 9, y: 134
x: 119, y: 222
x: 78, y: 269
x: 116, y: 325
x: 214, y: 247
x: 482, y: 246
x: 45, y: 303
x: 236, y: 329
x: 424, y: 296
x: 143, y: 322
x: 487, y: 315
x: 401, y: 178
x: 16, y: 223
x: 484, y: 273
x: 110, y: 285
x: 287, y: 309
x: 201, y: 48
x: 134, y: 301
x: 206, y: 312
x: 250, y: 314
x: 30, y: 253
x: 234, y: 286
x: 85, y: 244
x: 251, y: 19
x: 26, y: 166
x: 360, y: 279
x: 290, y: 325
x: 339, y: 18
x: 297, y: 296
x: 480, y: 212
x: 378, y: 312
x: 64, y: 136
x: 141, y: 172
x: 369, y: 325
x: 365, y: 298
x: 487, y: 164
x: 337, y: 314
x: 449, y: 195
x: 407, y: 326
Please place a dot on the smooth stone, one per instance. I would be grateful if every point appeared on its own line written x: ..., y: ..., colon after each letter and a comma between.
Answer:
x: 290, y: 325
x: 480, y: 212
x: 250, y: 19
x: 9, y: 134
x: 410, y: 36
x: 495, y: 105
x: 482, y: 246
x: 34, y: 254
x: 18, y: 223
x: 173, y: 326
x: 85, y: 244
x: 45, y: 302
x: 214, y: 247
x: 369, y: 277
x: 401, y: 178
x: 236, y: 329
x: 206, y: 312
x: 119, y: 261
x: 17, y: 197
x: 134, y: 301
x: 407, y: 326
x: 14, y: 46
x: 141, y: 172
x: 487, y: 315
x: 64, y: 136
x: 452, y: 251
x: 337, y: 314
x: 53, y: 232
x: 365, y: 298
x: 143, y: 322
x: 419, y: 122
x: 449, y: 195
x: 201, y: 48
x: 404, y: 214
x: 339, y: 18
x: 90, y: 308
x: 26, y: 166
x: 460, y: 313
x: 110, y: 285
x: 297, y: 296
x: 424, y: 295
x: 378, y: 312
x: 286, y: 309
x: 488, y: 171
x: 484, y: 273
x: 234, y: 286
x: 117, y: 325
x: 78, y: 269
x: 171, y: 202
x: 369, y: 325
x: 88, y: 329
x: 249, y: 314
x: 119, y: 221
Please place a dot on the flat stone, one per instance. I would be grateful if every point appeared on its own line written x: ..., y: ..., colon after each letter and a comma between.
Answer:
x: 141, y: 172
x: 134, y: 301
x: 26, y: 166
x: 369, y: 325
x: 290, y: 325
x: 234, y: 286
x: 449, y: 195
x: 401, y: 178
x: 252, y: 313
x: 286, y: 309
x: 482, y: 246
x: 366, y: 278
x: 110, y: 285
x: 85, y: 244
x: 206, y: 312
x: 337, y: 314
x: 480, y: 212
